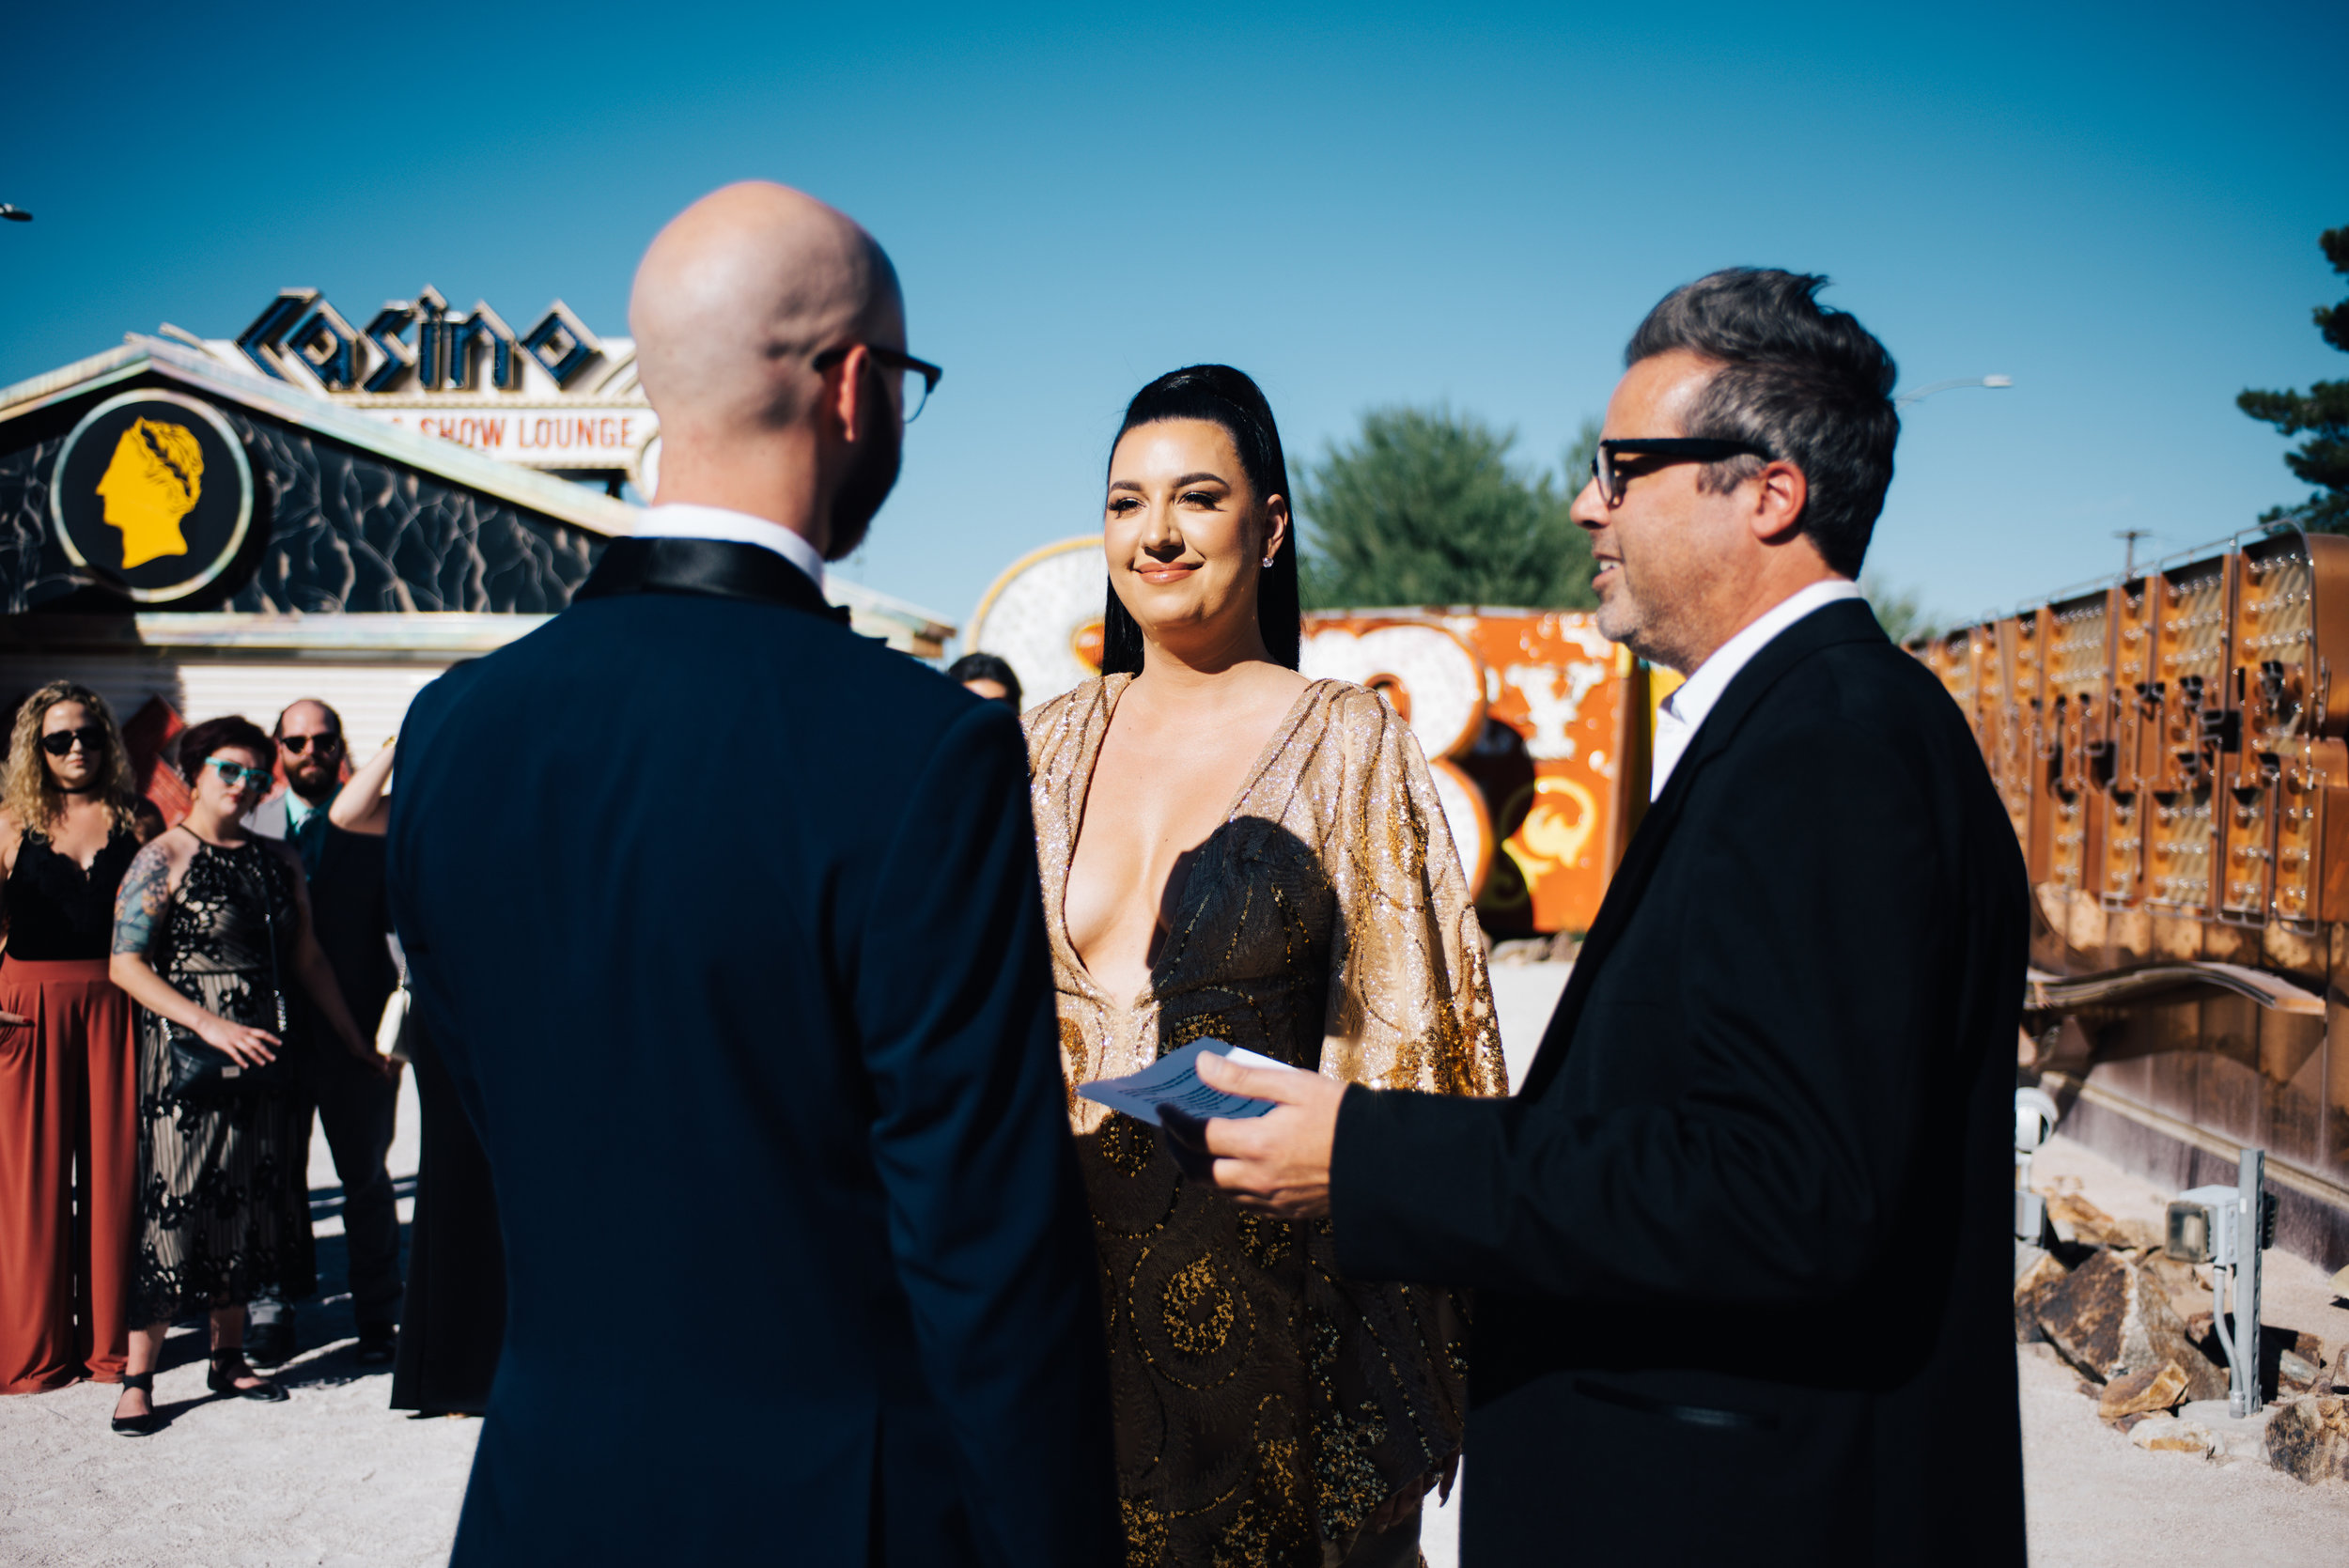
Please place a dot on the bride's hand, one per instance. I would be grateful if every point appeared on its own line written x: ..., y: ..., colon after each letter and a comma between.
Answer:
x: 12, y: 1020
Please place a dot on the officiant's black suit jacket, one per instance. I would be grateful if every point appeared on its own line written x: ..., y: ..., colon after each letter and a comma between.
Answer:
x: 1742, y: 1240
x: 726, y: 921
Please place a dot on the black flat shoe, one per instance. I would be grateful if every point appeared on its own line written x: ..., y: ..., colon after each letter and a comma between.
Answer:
x: 378, y: 1346
x: 229, y: 1365
x: 138, y: 1426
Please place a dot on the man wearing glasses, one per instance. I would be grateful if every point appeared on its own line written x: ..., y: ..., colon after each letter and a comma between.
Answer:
x: 1742, y: 1236
x: 768, y: 1076
x: 356, y: 1105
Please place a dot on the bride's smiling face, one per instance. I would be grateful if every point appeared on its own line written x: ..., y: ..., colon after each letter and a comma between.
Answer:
x: 1184, y: 532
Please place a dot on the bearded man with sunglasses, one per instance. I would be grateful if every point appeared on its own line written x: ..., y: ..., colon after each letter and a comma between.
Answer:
x: 1740, y: 1241
x: 356, y: 1101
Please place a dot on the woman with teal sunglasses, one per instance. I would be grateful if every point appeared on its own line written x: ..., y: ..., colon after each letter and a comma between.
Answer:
x: 211, y: 931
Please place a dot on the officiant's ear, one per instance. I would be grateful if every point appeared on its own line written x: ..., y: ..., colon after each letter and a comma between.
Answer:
x: 1186, y: 1140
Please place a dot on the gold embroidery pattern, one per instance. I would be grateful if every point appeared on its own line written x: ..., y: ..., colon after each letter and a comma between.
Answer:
x: 1265, y: 1404
x: 1265, y: 1240
x: 1145, y: 1532
x: 1126, y: 1144
x: 1197, y: 1310
x: 1346, y: 1467
x: 1268, y: 1529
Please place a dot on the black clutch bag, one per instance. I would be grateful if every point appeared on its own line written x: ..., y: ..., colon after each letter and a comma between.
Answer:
x: 201, y: 1071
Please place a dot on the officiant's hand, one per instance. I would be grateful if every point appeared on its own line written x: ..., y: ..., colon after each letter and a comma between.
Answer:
x: 1277, y: 1163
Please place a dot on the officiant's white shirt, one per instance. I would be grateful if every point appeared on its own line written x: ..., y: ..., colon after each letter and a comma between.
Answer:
x: 1678, y: 716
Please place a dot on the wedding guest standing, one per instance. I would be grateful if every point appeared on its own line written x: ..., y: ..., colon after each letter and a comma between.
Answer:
x: 1229, y: 850
x: 452, y: 1317
x: 211, y: 926
x: 69, y: 822
x: 356, y: 1102
x: 987, y: 676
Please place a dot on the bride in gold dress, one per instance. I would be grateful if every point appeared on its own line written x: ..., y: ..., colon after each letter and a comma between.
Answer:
x: 1230, y: 850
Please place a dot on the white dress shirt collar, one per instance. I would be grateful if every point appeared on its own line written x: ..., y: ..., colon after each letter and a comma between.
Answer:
x: 1678, y: 716
x: 685, y: 521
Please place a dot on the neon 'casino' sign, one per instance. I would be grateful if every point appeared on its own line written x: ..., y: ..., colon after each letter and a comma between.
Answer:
x: 416, y: 344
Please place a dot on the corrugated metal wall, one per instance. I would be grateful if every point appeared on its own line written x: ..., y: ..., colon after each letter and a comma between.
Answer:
x: 372, y: 698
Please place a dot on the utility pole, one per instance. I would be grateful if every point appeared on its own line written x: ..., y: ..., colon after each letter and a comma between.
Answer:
x: 2130, y: 537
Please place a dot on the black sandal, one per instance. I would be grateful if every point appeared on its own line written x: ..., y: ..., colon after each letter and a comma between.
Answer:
x: 222, y: 1379
x: 138, y: 1426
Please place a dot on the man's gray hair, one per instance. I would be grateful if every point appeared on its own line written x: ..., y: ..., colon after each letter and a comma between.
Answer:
x: 1806, y: 383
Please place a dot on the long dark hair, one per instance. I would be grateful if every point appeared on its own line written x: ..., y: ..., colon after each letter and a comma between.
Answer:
x: 1220, y: 395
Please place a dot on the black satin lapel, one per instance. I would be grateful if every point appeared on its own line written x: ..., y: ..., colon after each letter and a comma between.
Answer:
x: 713, y: 569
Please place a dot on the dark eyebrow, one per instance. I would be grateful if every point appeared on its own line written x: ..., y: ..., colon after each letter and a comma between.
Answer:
x: 1135, y: 485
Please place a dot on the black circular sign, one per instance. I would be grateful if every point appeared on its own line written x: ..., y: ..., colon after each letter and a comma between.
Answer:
x: 152, y: 494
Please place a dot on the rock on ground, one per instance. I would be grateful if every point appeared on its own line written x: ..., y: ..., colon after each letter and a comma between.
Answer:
x: 2308, y: 1438
x: 2108, y: 1319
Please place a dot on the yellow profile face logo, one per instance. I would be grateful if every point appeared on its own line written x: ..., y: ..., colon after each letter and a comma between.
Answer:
x: 154, y: 481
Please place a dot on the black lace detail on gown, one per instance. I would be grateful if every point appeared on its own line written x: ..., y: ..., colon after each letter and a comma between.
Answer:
x: 223, y: 1209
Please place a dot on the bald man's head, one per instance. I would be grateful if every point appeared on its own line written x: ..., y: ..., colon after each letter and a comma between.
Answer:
x: 739, y: 292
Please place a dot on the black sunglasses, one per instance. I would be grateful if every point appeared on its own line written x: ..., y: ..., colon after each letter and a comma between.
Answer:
x: 297, y: 744
x: 921, y: 376
x: 1680, y: 449
x: 89, y: 738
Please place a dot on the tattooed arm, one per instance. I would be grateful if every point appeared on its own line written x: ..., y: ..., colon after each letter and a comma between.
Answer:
x: 140, y: 910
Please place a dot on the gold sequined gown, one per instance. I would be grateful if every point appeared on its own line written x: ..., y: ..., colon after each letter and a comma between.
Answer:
x: 1264, y: 1405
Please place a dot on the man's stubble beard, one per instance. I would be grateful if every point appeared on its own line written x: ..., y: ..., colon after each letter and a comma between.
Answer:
x: 1643, y: 624
x: 327, y: 785
x: 867, y: 486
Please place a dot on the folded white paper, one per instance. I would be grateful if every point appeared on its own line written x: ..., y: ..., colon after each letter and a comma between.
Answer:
x: 1173, y: 1080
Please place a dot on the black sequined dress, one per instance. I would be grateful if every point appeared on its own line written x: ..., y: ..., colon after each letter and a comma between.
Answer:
x: 223, y: 1212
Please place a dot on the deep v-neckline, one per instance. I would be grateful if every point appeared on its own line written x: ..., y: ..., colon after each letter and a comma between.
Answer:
x: 1080, y: 797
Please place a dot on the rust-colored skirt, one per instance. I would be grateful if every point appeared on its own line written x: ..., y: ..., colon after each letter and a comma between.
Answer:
x: 67, y: 1098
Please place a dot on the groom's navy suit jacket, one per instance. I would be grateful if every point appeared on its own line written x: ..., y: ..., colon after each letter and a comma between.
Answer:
x: 726, y: 921
x: 1742, y: 1239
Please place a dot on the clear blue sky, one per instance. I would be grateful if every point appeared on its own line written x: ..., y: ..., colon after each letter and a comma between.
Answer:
x: 2117, y: 206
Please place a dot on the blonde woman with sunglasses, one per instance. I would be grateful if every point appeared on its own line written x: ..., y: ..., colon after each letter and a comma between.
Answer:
x: 211, y: 931
x: 69, y: 827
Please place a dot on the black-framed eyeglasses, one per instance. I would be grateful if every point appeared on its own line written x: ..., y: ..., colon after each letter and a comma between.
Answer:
x: 1679, y: 449
x: 295, y: 745
x: 58, y: 743
x: 920, y: 377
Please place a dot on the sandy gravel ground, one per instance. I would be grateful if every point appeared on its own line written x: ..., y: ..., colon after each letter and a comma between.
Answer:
x: 333, y: 1477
